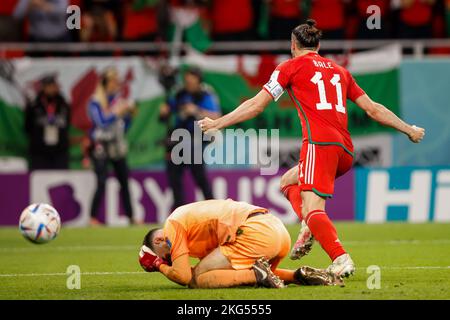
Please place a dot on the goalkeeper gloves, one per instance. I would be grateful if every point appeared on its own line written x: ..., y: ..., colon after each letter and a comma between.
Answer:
x: 149, y: 261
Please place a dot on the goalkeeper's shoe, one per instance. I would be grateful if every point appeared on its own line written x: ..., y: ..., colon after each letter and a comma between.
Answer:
x: 309, y: 276
x: 342, y: 266
x: 304, y: 243
x: 264, y: 275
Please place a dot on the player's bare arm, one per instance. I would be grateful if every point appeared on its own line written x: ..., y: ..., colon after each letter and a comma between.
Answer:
x: 386, y: 117
x: 209, y: 114
x: 249, y: 109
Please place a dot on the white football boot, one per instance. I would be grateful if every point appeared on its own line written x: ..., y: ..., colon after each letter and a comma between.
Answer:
x: 304, y: 243
x: 342, y: 266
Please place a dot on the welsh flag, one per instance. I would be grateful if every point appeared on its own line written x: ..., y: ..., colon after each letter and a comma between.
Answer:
x: 78, y: 79
x: 187, y: 25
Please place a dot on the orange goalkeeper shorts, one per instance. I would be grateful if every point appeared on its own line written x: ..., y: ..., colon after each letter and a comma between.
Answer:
x: 263, y: 235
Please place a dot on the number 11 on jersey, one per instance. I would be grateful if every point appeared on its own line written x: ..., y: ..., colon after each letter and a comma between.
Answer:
x: 335, y: 81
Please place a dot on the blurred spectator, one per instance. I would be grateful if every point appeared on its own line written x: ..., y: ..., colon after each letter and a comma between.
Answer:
x: 47, y: 121
x: 111, y: 117
x: 330, y: 17
x: 187, y: 23
x: 232, y: 20
x: 361, y: 9
x: 100, y: 20
x: 284, y: 17
x: 47, y: 19
x: 194, y: 21
x: 191, y: 103
x: 447, y: 17
x: 140, y: 20
x: 9, y: 27
x: 415, y: 19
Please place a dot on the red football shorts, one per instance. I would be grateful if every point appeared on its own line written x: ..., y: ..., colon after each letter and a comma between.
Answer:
x: 320, y: 165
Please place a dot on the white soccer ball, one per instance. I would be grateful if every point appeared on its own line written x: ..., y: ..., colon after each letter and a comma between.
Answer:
x: 39, y: 223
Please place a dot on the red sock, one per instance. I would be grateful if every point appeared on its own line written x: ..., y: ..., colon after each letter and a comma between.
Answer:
x: 324, y: 231
x: 292, y: 193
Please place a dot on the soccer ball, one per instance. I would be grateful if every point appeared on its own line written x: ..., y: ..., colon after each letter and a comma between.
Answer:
x: 39, y: 223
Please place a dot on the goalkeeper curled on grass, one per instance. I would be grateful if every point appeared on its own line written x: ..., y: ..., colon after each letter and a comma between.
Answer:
x: 238, y: 244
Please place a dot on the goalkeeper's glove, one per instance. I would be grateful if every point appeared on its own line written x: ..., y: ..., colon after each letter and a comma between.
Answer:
x: 149, y: 261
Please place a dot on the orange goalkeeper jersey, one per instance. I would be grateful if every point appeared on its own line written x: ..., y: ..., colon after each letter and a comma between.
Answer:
x: 200, y: 227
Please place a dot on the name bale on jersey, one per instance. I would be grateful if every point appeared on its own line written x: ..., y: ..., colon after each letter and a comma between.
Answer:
x: 324, y: 65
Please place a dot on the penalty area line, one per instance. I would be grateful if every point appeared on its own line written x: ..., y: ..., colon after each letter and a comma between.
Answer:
x: 13, y: 275
x: 17, y: 275
x: 68, y: 248
x: 105, y: 248
x: 410, y: 268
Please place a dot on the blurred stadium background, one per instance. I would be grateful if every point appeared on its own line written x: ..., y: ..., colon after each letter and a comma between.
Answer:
x: 237, y: 44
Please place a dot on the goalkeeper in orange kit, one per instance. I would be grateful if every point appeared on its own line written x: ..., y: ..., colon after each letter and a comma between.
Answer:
x: 237, y: 243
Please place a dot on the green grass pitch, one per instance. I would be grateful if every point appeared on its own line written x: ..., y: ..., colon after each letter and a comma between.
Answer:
x: 414, y: 261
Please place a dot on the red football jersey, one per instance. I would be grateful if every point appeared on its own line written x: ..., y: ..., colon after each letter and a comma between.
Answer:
x: 319, y: 88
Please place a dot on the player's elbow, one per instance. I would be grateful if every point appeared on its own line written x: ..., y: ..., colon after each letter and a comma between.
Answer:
x: 373, y: 114
x: 183, y: 278
x: 259, y: 109
x: 375, y: 111
x: 256, y: 107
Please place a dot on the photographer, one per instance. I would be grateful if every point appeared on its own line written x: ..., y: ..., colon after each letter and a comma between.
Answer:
x: 189, y: 104
x: 111, y: 117
x: 47, y: 121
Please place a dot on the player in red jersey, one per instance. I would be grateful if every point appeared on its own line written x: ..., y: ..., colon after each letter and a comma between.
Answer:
x: 319, y: 89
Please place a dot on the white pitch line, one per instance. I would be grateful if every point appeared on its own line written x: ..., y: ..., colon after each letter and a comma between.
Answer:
x: 16, y: 275
x: 136, y: 248
x: 396, y: 242
x: 68, y: 248
x: 13, y: 275
x: 34, y: 248
x: 410, y: 268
